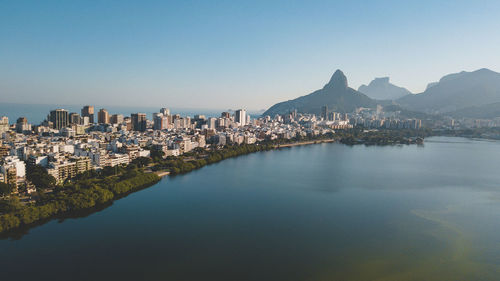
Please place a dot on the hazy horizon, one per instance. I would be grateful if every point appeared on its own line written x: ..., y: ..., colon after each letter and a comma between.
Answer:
x: 232, y: 55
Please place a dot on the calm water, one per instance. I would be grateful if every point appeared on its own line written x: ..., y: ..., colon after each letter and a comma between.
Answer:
x: 320, y: 212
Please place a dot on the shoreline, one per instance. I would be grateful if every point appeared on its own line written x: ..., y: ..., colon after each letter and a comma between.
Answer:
x: 162, y: 174
x: 304, y: 143
x: 11, y: 230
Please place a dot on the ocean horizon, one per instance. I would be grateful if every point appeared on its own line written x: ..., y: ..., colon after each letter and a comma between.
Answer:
x: 36, y: 113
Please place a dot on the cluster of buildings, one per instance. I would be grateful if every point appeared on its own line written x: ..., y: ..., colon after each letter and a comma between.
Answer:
x: 466, y: 123
x: 379, y: 119
x: 67, y: 144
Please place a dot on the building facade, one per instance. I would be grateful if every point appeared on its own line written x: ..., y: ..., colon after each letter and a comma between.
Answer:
x: 139, y: 121
x: 103, y: 116
x: 59, y: 118
x: 240, y: 116
x: 88, y: 111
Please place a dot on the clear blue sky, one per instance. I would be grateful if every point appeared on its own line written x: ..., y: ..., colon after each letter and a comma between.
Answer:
x: 229, y: 54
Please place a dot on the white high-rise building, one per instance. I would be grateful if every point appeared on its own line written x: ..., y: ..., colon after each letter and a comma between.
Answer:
x: 158, y: 121
x: 240, y: 116
x: 4, y: 124
x: 165, y: 111
x: 212, y: 123
x: 14, y: 162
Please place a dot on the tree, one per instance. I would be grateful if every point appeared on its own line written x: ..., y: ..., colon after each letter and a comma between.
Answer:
x: 132, y: 166
x: 108, y: 171
x: 157, y: 155
x: 141, y: 161
x: 5, y: 189
x: 38, y: 175
x: 129, y: 174
x: 10, y: 205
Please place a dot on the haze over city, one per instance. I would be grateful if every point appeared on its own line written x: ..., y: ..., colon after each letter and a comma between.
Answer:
x: 249, y: 140
x: 231, y: 54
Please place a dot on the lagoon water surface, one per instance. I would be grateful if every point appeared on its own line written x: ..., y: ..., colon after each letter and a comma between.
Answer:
x: 318, y: 212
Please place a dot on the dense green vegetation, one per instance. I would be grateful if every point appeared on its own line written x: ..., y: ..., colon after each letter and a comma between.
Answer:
x: 484, y: 133
x: 95, y: 188
x: 298, y: 138
x: 86, y: 191
x: 360, y: 135
x: 381, y: 137
x: 39, y: 177
x: 5, y: 189
x: 201, y: 157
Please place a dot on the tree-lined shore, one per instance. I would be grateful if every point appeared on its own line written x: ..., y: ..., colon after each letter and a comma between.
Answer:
x: 97, y: 188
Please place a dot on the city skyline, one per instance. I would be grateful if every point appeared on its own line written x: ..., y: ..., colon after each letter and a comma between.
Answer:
x: 231, y: 55
x: 249, y: 140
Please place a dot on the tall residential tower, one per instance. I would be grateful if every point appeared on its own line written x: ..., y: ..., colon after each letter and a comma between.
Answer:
x: 240, y: 116
x: 59, y: 118
x: 88, y: 111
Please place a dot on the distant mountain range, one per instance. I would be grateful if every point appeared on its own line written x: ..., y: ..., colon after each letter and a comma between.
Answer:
x: 466, y: 94
x: 487, y: 111
x: 382, y: 89
x: 336, y: 95
x: 455, y: 92
x: 431, y: 85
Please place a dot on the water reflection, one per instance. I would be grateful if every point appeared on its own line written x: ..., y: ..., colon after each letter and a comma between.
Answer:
x: 321, y: 212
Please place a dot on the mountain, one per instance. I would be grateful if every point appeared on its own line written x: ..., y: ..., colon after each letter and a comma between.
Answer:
x: 487, y: 111
x: 432, y: 84
x: 456, y: 91
x: 336, y: 95
x: 405, y: 113
x: 382, y: 89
